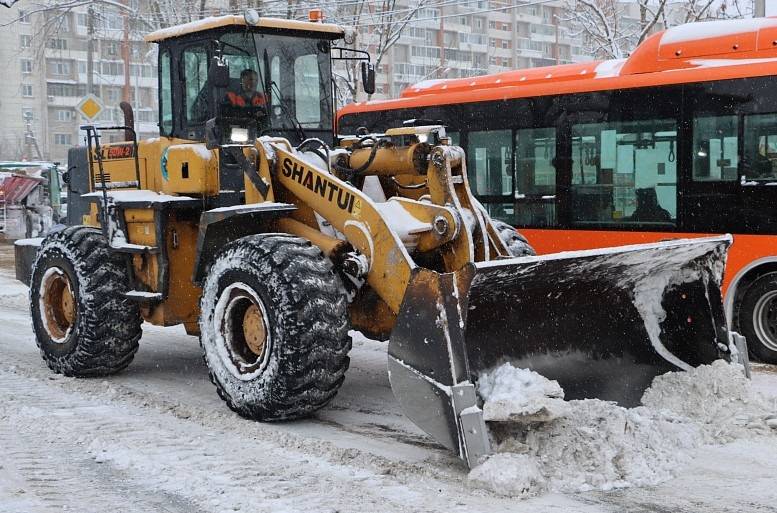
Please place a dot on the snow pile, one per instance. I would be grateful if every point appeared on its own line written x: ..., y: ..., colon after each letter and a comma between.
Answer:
x: 716, y: 397
x: 516, y: 475
x: 596, y: 444
x: 520, y: 395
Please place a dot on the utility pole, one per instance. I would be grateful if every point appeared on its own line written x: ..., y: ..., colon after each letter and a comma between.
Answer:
x: 89, y: 50
x: 759, y: 8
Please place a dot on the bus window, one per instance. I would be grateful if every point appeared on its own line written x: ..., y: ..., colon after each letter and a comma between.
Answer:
x: 455, y: 138
x: 760, y: 152
x: 624, y: 173
x: 715, y: 151
x: 535, y: 177
x: 489, y: 158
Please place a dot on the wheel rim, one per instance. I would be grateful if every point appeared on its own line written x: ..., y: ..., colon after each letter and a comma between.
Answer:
x: 765, y: 320
x: 57, y: 304
x: 242, y: 335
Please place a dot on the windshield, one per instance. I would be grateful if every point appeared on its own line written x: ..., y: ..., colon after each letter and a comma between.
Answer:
x: 289, y: 75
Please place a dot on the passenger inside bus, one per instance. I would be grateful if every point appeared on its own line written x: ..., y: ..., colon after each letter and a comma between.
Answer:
x: 648, y: 209
x: 761, y: 165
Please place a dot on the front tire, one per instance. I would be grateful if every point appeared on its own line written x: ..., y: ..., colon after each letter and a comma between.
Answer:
x: 274, y: 327
x: 83, y: 325
x: 757, y: 318
x: 516, y: 243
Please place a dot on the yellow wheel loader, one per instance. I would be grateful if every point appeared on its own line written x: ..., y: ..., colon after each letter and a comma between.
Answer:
x: 248, y: 222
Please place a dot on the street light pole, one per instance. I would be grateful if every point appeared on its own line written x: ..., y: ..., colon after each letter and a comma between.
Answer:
x: 759, y: 8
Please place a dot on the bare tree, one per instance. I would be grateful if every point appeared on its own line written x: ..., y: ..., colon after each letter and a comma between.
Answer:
x: 609, y: 34
x: 378, y: 25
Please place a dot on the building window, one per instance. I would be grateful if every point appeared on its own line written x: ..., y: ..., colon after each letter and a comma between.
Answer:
x: 57, y: 44
x: 479, y: 23
x: 25, y: 41
x: 27, y: 90
x: 61, y: 68
x: 112, y: 94
x: 62, y: 139
x: 65, y: 115
x: 81, y: 20
x: 24, y: 17
x: 505, y: 44
x: 27, y: 114
x: 111, y: 48
x: 26, y: 65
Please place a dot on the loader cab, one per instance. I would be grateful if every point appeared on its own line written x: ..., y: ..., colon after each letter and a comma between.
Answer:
x: 204, y: 93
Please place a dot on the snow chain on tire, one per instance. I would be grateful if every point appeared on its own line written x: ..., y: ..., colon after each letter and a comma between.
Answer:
x: 274, y: 327
x: 83, y: 325
x: 516, y: 243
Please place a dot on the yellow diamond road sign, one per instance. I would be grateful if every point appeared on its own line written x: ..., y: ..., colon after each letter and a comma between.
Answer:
x: 90, y: 107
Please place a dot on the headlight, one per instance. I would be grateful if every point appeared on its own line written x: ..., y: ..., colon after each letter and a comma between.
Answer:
x: 251, y: 16
x: 349, y: 35
x: 238, y: 135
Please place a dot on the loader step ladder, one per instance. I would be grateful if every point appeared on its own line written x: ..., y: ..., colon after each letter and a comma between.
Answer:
x: 95, y: 153
x: 143, y: 297
x: 135, y: 249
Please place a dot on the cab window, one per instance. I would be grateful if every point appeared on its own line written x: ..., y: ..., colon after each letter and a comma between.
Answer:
x: 195, y: 63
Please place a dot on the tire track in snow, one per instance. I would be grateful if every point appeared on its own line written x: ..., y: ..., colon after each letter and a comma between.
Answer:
x: 52, y: 464
x: 164, y: 457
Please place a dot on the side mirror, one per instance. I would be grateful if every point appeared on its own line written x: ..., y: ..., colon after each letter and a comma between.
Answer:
x: 368, y: 78
x: 218, y: 74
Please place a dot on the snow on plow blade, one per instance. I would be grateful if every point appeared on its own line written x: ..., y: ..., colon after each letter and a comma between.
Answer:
x: 603, y: 323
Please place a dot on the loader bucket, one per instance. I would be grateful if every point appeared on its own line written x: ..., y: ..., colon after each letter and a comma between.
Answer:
x: 603, y: 323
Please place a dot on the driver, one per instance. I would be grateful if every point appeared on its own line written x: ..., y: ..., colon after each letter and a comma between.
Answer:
x: 247, y: 95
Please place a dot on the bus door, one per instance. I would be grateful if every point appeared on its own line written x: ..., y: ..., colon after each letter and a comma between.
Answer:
x: 710, y: 196
x: 758, y: 173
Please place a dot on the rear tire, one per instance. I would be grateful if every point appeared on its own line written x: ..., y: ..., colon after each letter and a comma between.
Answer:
x: 516, y: 243
x: 274, y: 327
x: 83, y: 325
x: 757, y: 318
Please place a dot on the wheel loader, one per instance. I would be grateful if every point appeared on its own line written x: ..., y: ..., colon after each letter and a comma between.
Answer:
x: 260, y: 231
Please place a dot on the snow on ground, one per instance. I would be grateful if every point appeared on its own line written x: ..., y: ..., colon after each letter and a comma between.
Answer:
x: 157, y: 438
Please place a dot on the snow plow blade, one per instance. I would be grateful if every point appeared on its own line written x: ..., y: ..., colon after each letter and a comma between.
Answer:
x: 603, y: 323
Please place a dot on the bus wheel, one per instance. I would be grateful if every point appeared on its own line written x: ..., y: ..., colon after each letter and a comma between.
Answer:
x: 757, y: 318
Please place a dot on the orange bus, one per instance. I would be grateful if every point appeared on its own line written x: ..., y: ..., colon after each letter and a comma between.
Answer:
x: 678, y: 140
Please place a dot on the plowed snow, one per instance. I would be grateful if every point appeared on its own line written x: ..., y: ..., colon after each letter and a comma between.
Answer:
x: 599, y: 445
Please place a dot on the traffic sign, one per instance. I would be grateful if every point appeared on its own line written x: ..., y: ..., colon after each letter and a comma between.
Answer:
x: 90, y: 107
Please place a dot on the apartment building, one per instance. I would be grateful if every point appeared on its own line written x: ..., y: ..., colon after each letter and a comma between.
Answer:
x: 45, y: 58
x: 475, y: 37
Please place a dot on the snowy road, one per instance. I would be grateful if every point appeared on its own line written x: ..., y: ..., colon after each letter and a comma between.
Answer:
x: 157, y: 438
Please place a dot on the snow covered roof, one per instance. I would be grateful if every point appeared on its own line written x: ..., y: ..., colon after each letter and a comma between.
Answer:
x: 235, y: 20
